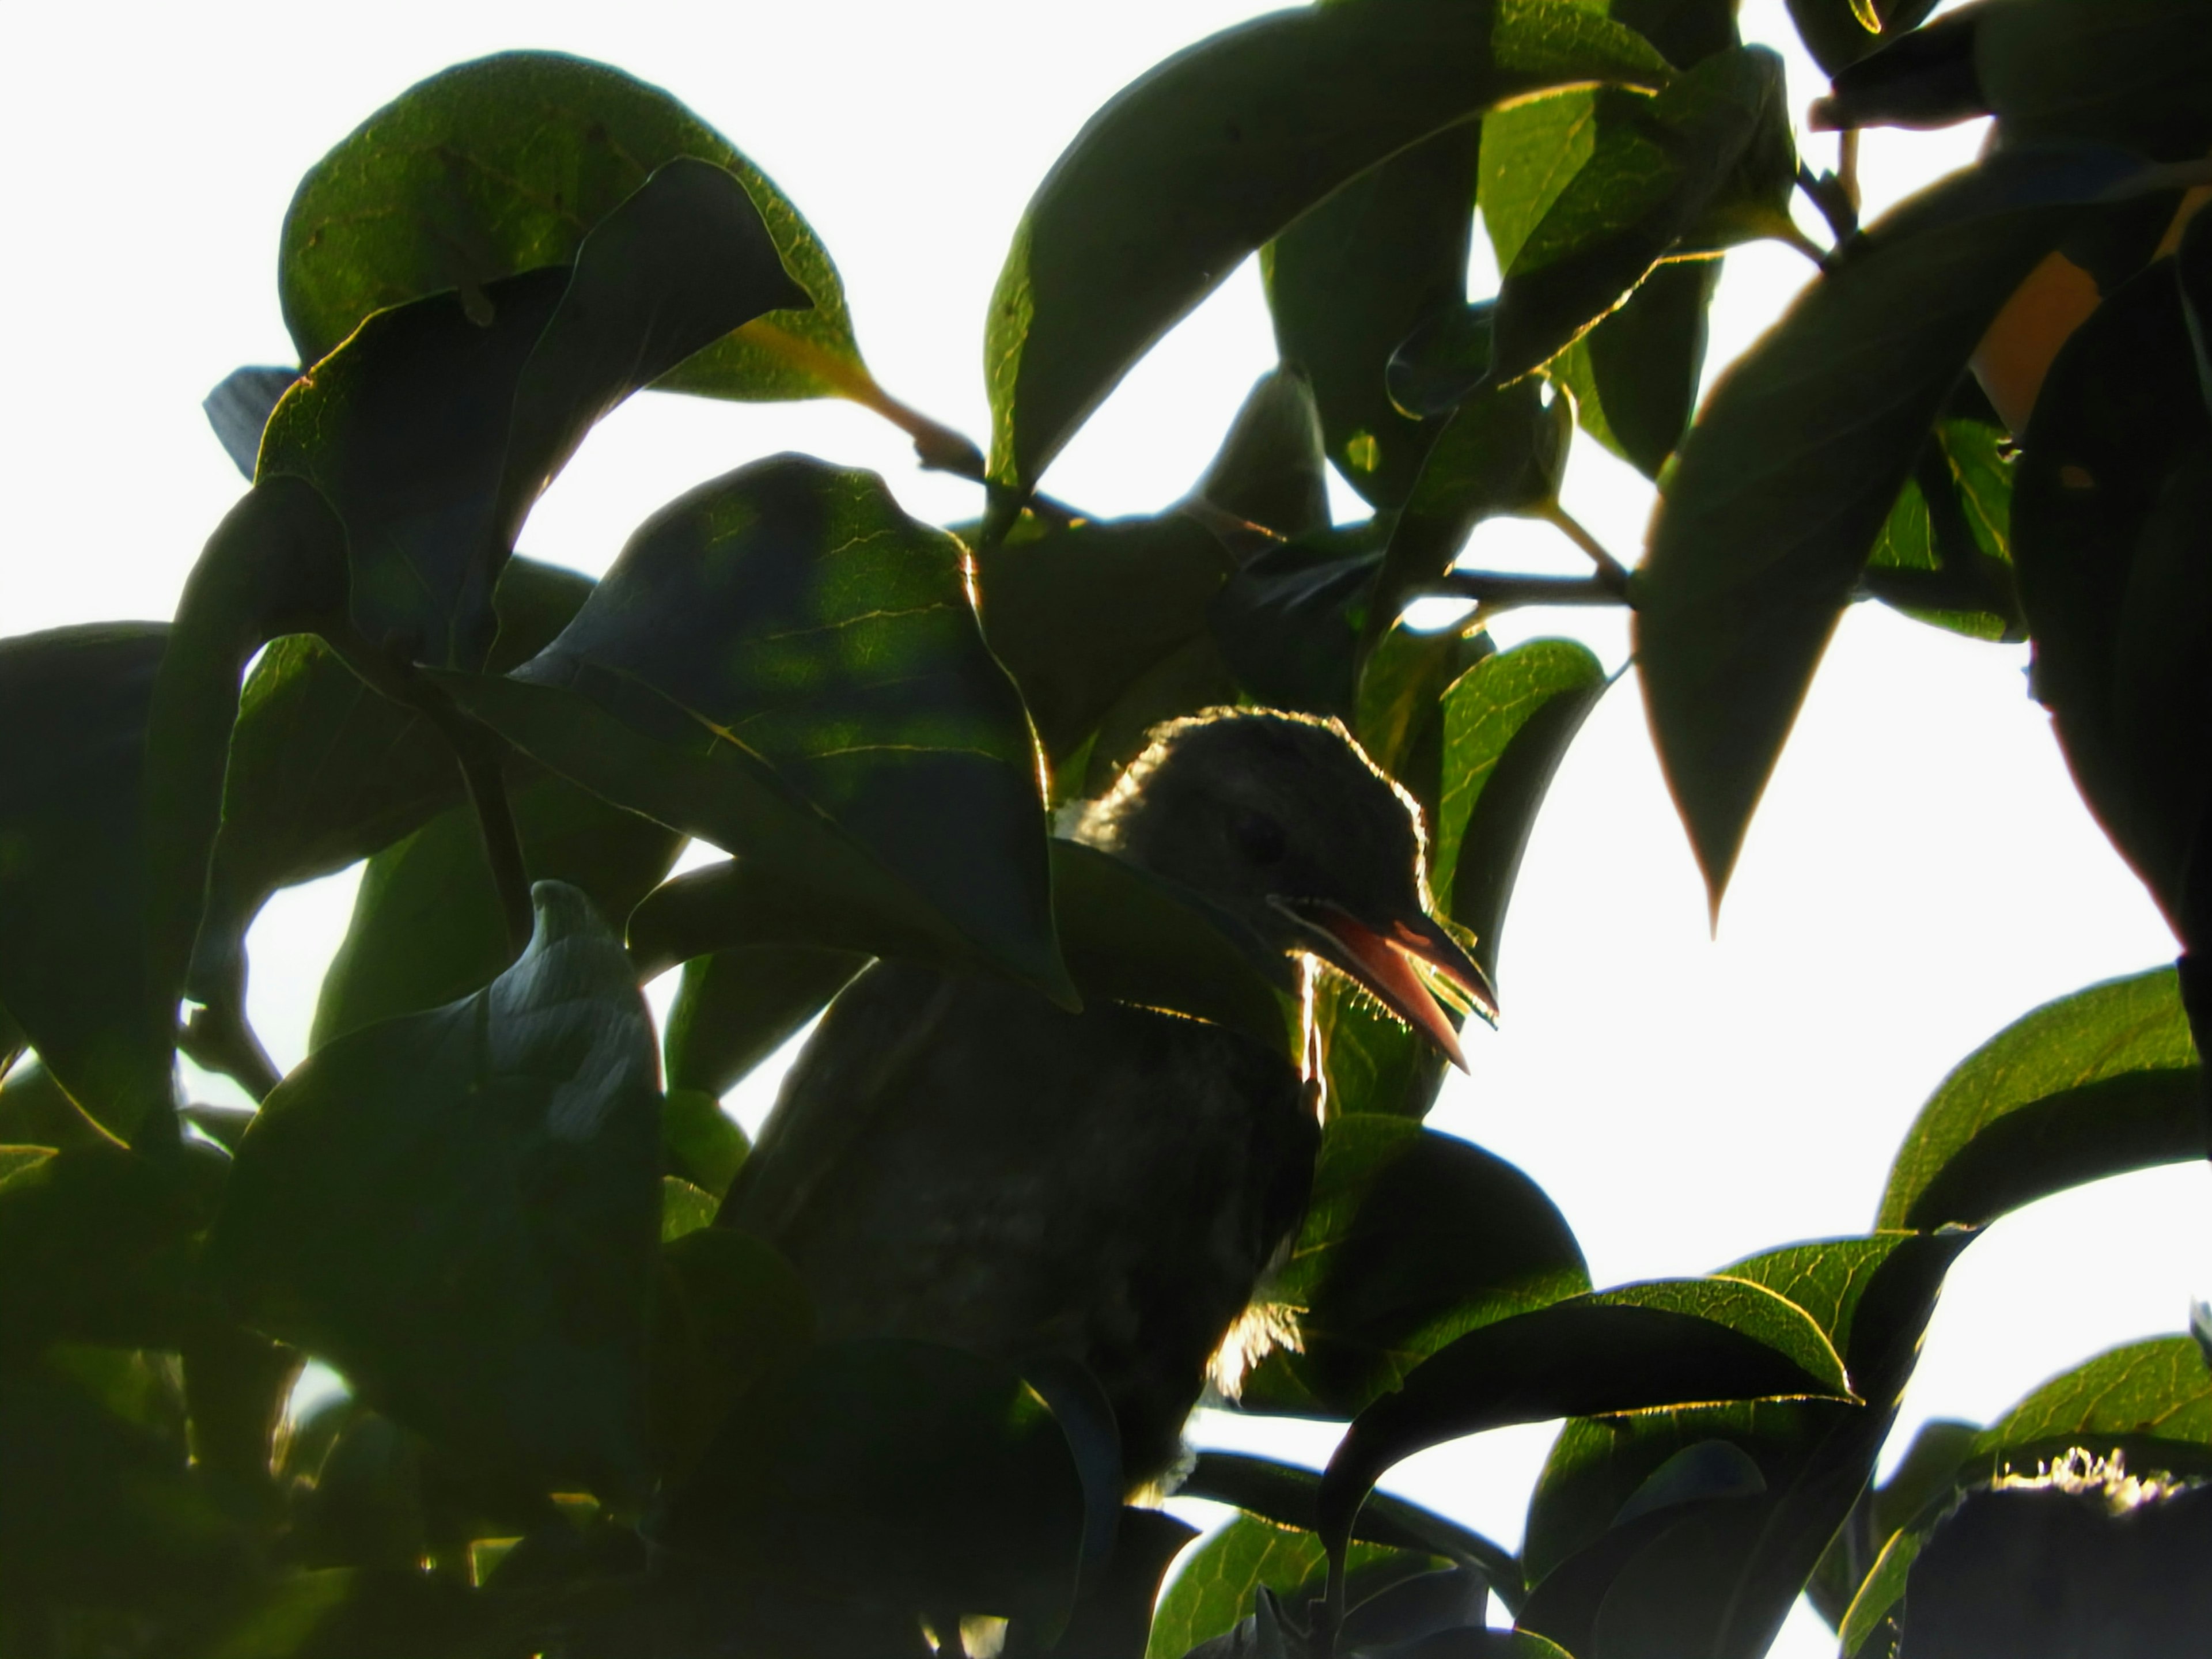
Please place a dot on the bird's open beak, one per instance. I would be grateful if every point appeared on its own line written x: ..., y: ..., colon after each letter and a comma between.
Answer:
x: 1384, y: 964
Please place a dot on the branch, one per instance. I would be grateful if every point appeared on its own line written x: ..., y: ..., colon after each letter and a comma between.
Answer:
x: 1830, y: 195
x: 1610, y: 570
x: 1499, y: 591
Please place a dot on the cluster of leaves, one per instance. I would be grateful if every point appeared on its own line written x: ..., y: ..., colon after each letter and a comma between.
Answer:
x: 576, y: 1418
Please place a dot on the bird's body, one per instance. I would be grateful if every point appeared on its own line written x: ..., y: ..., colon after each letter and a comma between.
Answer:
x: 953, y: 1158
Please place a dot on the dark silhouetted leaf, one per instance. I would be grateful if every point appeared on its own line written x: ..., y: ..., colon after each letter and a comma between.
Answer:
x: 2094, y: 1083
x: 2133, y: 72
x: 2108, y: 525
x: 508, y: 163
x: 99, y: 1244
x: 703, y: 1143
x: 1271, y: 471
x: 784, y: 664
x: 1217, y: 151
x: 74, y: 961
x: 1924, y: 79
x: 1219, y: 1583
x: 1838, y: 33
x: 359, y: 1612
x: 1079, y: 613
x: 238, y: 408
x: 1437, y: 367
x: 1114, y: 1617
x: 1353, y: 277
x: 35, y: 1111
x: 1287, y: 1495
x: 728, y: 1311
x: 518, y: 1133
x: 736, y: 1007
x: 426, y: 926
x: 1968, y: 522
x: 1507, y: 724
x: 1411, y: 1240
x: 324, y: 771
x: 1635, y: 375
x: 900, y: 1474
x: 1669, y: 1342
x: 1289, y: 622
x: 437, y: 425
x: 1783, y: 486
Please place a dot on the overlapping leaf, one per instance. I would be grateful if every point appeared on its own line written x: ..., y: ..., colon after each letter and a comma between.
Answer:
x: 1411, y: 1239
x: 1841, y: 32
x: 432, y: 430
x: 1940, y: 553
x: 1782, y: 487
x: 508, y: 163
x: 2095, y: 1084
x: 1216, y: 152
x: 518, y: 1131
x: 783, y: 663
x: 1353, y: 277
x: 1669, y: 1342
x: 738, y: 1006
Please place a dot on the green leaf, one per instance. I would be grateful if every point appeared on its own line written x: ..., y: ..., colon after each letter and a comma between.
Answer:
x: 428, y: 927
x: 1217, y: 1584
x: 2092, y: 1084
x: 323, y: 771
x: 2109, y: 502
x: 703, y: 1143
x: 1411, y: 1240
x: 438, y: 423
x: 1871, y: 1620
x: 1355, y: 275
x: 784, y: 664
x: 100, y: 1245
x: 508, y: 163
x: 74, y: 969
x: 1667, y: 1342
x: 1271, y: 470
x: 1838, y: 33
x: 518, y: 1131
x: 1660, y: 166
x: 275, y: 565
x: 2150, y: 1400
x: 728, y: 1311
x: 35, y: 1111
x: 101, y: 1514
x: 358, y: 1612
x: 1966, y: 473
x: 1620, y: 1541
x: 1504, y: 452
x: 1287, y: 1495
x: 1216, y: 152
x: 2131, y: 72
x: 1288, y: 623
x: 737, y: 1006
x: 1079, y: 613
x: 920, y: 1478
x: 1113, y: 1616
x: 1507, y: 724
x: 685, y: 1208
x: 1782, y: 487
x: 1635, y: 375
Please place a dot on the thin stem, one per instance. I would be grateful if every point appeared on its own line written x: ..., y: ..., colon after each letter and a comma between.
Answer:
x: 1500, y: 590
x: 1826, y: 194
x: 1847, y: 168
x: 502, y: 843
x: 939, y: 447
x: 1610, y: 570
x: 218, y: 1039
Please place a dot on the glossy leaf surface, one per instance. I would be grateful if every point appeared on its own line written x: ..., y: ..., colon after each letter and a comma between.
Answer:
x: 520, y: 1130
x: 1783, y: 486
x: 1196, y: 164
x: 2094, y: 1083
x: 508, y: 163
x: 784, y: 664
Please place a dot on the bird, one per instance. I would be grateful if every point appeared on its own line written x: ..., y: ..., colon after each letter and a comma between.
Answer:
x: 952, y: 1158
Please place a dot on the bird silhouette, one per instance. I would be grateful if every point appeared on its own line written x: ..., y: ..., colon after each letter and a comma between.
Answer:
x: 953, y: 1158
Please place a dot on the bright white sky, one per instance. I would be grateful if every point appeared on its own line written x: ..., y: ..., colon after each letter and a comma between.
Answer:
x: 1920, y: 873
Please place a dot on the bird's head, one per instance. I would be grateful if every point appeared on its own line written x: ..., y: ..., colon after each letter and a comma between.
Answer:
x: 1282, y: 821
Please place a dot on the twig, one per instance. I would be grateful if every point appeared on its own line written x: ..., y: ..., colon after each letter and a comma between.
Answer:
x: 939, y: 449
x: 218, y: 1039
x: 1500, y: 590
x: 502, y: 842
x: 1610, y: 570
x: 1847, y: 170
x: 1834, y: 205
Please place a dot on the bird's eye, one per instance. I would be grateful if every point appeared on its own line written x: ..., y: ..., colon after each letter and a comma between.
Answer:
x: 1257, y: 836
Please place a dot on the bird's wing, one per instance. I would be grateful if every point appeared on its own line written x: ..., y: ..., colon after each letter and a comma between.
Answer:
x: 859, y: 1059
